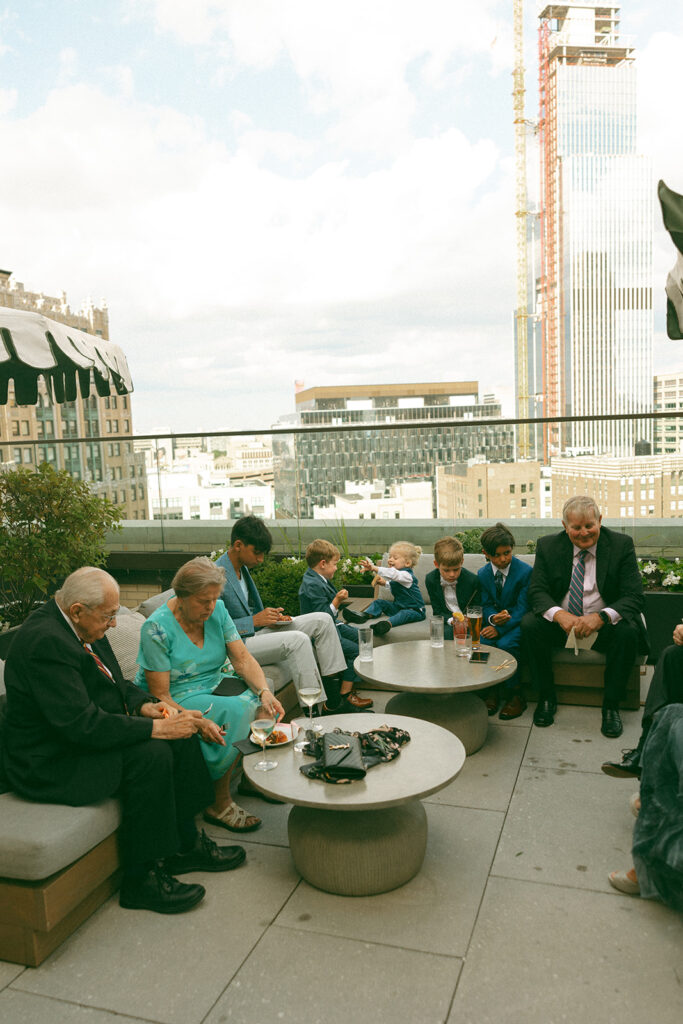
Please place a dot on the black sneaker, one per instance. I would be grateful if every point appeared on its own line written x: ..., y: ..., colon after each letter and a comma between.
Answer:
x: 358, y: 618
x: 160, y: 892
x: 627, y: 768
x: 380, y: 628
x: 206, y: 856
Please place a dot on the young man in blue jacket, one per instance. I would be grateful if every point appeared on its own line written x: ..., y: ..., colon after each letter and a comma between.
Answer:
x: 504, y: 582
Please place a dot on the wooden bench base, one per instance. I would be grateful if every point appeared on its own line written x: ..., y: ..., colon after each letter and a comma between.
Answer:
x: 36, y: 917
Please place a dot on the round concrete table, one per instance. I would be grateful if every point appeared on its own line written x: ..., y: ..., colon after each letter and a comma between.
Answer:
x: 434, y: 684
x: 368, y: 836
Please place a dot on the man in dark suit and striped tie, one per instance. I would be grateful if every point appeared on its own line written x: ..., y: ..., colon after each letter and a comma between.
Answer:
x: 585, y: 579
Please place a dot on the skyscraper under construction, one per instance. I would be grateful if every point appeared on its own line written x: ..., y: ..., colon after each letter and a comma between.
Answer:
x: 591, y: 341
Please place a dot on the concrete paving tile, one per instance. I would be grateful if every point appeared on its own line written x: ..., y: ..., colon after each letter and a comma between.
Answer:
x: 575, y: 741
x: 435, y: 911
x: 22, y: 1008
x: 541, y: 954
x: 169, y: 969
x: 8, y: 972
x: 488, y: 776
x: 566, y: 827
x: 281, y: 981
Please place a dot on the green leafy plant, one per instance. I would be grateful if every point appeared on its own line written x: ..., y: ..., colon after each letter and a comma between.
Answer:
x: 349, y: 572
x: 661, y: 573
x: 470, y: 540
x: 50, y: 524
x: 278, y: 582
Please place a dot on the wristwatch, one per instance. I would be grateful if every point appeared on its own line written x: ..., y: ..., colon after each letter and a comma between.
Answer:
x: 605, y: 617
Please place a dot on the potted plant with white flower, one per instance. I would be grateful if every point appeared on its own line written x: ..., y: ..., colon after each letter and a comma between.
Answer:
x: 663, y: 585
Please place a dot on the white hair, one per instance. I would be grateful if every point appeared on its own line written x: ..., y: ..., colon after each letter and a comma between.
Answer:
x: 85, y: 586
x: 580, y: 505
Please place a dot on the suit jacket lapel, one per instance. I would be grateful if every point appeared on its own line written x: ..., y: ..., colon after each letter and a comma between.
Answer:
x: 254, y: 595
x: 602, y: 553
x: 231, y: 578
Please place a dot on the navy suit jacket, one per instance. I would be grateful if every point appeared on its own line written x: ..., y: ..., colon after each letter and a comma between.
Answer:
x: 514, y: 598
x: 64, y: 713
x: 316, y: 593
x: 617, y: 576
x: 241, y: 611
x: 466, y: 587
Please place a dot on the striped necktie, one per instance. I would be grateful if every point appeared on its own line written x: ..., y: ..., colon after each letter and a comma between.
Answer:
x: 500, y: 583
x: 100, y: 664
x: 575, y: 605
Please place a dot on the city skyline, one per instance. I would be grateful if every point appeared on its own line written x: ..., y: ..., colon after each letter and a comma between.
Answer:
x: 323, y: 196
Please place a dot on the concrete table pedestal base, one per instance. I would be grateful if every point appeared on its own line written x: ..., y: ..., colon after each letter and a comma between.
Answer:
x: 358, y: 853
x: 463, y: 714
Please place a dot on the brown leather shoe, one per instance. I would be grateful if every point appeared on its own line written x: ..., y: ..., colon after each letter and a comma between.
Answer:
x: 514, y: 707
x: 357, y: 701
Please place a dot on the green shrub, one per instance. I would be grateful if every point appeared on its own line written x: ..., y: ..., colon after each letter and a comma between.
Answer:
x: 278, y: 583
x: 661, y: 573
x: 50, y: 524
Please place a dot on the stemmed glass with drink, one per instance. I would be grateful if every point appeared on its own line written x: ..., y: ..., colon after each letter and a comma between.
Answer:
x: 309, y: 695
x: 474, y: 614
x: 261, y: 729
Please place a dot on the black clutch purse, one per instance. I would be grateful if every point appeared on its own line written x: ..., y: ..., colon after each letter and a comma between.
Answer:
x: 342, y: 758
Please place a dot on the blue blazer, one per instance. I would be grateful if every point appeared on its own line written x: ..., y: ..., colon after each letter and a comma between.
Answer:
x: 316, y: 593
x: 466, y: 587
x: 514, y: 598
x: 241, y: 612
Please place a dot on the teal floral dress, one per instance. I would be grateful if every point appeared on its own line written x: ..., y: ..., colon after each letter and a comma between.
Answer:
x: 195, y: 672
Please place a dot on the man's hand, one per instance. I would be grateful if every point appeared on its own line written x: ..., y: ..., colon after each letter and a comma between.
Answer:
x: 566, y: 620
x: 341, y: 595
x: 179, y: 727
x: 587, y: 624
x: 678, y: 635
x: 489, y: 632
x: 159, y: 710
x: 270, y: 615
x: 211, y: 732
x: 500, y: 618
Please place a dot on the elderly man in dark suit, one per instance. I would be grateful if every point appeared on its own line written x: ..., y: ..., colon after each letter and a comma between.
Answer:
x: 76, y: 732
x: 585, y: 579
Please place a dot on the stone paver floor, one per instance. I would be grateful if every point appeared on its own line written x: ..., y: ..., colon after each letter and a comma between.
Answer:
x: 510, y: 921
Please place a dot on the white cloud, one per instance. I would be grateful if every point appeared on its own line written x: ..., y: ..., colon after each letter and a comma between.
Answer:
x: 8, y: 100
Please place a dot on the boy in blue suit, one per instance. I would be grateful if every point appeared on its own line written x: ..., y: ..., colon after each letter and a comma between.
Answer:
x: 318, y: 593
x: 450, y: 587
x: 504, y: 583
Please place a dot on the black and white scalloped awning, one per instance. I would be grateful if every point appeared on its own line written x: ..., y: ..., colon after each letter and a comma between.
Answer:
x: 69, y: 360
x: 672, y: 215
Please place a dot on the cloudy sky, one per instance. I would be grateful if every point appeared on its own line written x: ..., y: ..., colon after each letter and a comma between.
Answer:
x: 271, y: 190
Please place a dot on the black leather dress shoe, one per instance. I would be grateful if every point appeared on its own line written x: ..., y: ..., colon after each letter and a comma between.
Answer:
x: 160, y: 892
x: 628, y: 768
x: 545, y: 713
x: 611, y: 723
x: 348, y: 615
x: 380, y: 628
x: 206, y: 856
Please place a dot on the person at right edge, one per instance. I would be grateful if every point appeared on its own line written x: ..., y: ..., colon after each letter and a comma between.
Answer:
x: 585, y: 579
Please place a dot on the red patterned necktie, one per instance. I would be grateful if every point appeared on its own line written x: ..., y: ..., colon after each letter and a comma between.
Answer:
x: 100, y: 664
x: 576, y: 585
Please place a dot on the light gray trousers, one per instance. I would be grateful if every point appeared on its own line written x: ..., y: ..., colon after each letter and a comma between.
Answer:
x: 306, y: 648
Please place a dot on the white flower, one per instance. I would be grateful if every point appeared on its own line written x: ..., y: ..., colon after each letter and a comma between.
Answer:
x: 671, y: 580
x: 650, y: 567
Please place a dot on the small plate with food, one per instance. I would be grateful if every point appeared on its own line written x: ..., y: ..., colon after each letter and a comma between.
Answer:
x: 282, y: 734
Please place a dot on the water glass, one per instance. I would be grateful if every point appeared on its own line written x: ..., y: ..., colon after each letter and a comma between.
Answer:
x: 436, y: 631
x: 365, y: 643
x: 463, y: 641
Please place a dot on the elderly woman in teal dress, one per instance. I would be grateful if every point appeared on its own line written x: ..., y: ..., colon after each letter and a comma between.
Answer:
x: 187, y: 646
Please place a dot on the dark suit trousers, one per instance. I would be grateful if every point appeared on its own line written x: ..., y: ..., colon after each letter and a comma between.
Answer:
x: 667, y: 683
x: 618, y: 643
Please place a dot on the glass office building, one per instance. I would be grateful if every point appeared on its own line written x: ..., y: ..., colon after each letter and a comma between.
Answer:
x: 594, y: 285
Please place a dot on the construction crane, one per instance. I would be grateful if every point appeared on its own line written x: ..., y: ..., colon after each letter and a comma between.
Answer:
x: 521, y: 211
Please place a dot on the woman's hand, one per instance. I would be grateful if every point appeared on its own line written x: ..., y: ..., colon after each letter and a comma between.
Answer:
x: 270, y: 705
x: 179, y: 727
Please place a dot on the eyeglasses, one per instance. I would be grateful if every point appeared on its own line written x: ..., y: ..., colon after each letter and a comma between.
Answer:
x: 103, y: 618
